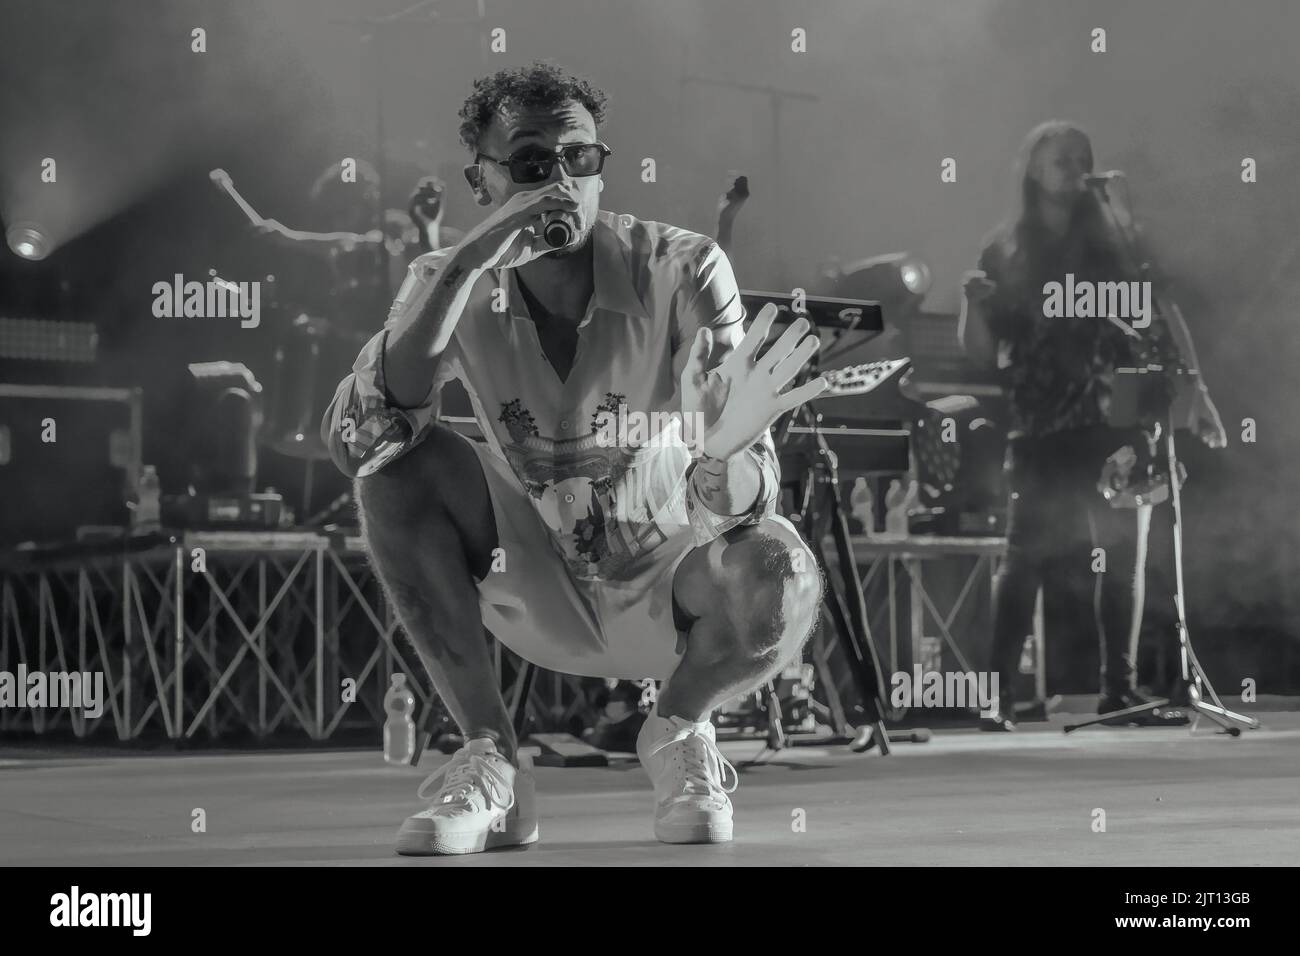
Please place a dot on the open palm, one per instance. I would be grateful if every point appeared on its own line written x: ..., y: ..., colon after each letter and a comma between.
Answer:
x: 736, y: 402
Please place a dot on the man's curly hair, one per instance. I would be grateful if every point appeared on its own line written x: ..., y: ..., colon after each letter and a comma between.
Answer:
x: 539, y: 84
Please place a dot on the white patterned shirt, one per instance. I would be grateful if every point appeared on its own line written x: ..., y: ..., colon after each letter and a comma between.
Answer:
x: 606, y: 504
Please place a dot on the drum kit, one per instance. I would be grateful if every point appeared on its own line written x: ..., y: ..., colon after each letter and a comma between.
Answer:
x: 317, y: 336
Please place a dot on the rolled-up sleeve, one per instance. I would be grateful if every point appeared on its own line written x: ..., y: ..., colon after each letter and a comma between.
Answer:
x: 362, y: 428
x: 706, y: 525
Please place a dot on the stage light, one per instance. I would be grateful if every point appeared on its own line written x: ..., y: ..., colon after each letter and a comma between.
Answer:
x: 897, y: 280
x: 27, y: 241
x: 916, y: 276
x: 225, y: 418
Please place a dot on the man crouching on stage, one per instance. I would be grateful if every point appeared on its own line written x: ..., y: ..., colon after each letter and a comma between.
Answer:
x: 581, y: 551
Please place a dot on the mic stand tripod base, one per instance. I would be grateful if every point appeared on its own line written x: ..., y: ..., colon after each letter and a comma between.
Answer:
x: 1219, y: 715
x: 821, y: 513
x: 1193, y: 676
x: 1117, y: 716
x: 1216, y: 711
x: 873, y: 735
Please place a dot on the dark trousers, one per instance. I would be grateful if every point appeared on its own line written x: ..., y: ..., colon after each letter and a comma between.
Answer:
x: 1056, y: 519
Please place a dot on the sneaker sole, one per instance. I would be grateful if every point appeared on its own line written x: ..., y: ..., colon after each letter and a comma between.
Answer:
x: 418, y: 842
x: 693, y: 832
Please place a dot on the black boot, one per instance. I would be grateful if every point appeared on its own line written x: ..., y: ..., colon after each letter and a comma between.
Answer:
x: 1163, y: 716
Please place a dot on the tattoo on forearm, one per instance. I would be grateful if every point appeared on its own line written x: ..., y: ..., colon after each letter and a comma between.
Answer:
x: 448, y: 281
x: 722, y: 486
x: 713, y: 478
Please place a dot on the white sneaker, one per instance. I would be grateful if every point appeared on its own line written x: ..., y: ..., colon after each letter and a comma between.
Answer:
x: 689, y: 776
x: 483, y: 803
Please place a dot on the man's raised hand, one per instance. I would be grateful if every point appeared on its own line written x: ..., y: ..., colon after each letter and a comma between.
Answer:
x: 741, y: 398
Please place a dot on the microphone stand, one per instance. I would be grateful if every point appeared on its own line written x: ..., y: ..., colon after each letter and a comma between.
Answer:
x: 1195, y: 683
x: 819, y: 512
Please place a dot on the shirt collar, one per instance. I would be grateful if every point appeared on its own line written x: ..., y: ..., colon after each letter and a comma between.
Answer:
x: 611, y: 264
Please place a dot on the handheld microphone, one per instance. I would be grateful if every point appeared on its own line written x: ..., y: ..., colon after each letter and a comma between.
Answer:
x: 1101, y: 179
x: 556, y: 230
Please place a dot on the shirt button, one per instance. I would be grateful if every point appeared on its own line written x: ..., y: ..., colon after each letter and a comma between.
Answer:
x: 564, y: 425
x: 568, y: 499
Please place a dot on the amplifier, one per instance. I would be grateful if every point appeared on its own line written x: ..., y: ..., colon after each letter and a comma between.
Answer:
x: 858, y: 450
x: 69, y: 457
x: 859, y: 316
x: 252, y: 512
x: 48, y: 340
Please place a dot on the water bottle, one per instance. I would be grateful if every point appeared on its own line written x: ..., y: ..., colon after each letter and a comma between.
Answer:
x: 148, y: 508
x: 399, y: 728
x: 861, y: 506
x: 1029, y: 656
x: 899, y: 501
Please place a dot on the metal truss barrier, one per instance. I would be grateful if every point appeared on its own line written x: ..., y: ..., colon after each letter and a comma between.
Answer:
x: 205, y: 633
x: 906, y: 608
x: 220, y: 634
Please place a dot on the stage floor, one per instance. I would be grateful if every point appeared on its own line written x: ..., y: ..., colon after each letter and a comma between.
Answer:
x: 963, y: 798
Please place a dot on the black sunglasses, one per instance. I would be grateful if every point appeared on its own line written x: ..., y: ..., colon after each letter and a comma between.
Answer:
x: 533, y: 164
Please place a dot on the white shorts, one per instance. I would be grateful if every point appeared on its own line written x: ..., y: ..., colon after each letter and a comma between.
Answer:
x: 629, y: 629
x: 624, y: 629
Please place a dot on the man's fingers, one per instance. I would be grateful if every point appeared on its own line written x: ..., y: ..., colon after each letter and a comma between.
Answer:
x: 548, y: 204
x: 757, y: 333
x: 697, y: 360
x: 784, y: 347
x: 789, y: 367
x: 541, y: 201
x: 556, y: 194
x: 564, y: 192
x: 806, y: 392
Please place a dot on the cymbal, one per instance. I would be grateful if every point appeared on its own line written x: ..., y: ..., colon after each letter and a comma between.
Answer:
x: 305, y: 446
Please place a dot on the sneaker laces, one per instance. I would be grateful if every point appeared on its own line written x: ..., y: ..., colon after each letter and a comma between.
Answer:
x: 474, y: 782
x: 704, y: 769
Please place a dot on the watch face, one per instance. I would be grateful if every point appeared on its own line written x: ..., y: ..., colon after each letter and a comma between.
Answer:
x: 383, y: 453
x: 394, y: 441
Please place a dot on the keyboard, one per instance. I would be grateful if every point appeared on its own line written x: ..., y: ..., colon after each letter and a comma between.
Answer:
x: 861, y: 379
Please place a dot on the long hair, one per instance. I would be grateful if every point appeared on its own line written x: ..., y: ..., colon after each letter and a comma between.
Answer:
x: 1042, y: 135
x: 1030, y: 249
